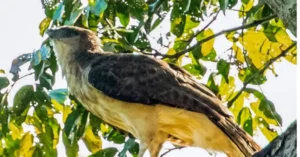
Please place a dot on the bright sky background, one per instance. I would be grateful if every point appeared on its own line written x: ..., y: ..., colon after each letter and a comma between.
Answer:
x: 19, y: 33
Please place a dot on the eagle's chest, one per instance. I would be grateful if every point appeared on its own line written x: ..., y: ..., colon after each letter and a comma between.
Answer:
x: 123, y: 115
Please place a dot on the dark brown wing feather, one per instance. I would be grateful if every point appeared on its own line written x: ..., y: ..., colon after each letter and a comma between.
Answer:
x: 141, y: 79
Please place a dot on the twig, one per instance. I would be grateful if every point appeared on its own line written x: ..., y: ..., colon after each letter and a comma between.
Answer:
x: 270, y: 62
x: 169, y: 150
x: 205, y: 27
x: 5, y: 94
x: 8, y: 90
x: 252, y: 24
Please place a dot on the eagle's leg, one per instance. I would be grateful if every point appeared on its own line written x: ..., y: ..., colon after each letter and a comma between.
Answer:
x: 143, y: 148
x: 157, y: 142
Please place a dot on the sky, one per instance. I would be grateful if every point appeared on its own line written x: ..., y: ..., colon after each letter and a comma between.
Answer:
x: 19, y: 33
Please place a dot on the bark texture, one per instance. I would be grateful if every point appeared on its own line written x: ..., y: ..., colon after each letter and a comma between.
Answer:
x: 286, y: 11
x: 284, y: 145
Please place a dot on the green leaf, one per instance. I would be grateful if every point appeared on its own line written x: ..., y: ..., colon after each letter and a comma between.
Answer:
x: 134, y: 150
x: 232, y: 3
x: 74, y: 16
x: 39, y: 70
x: 211, y: 56
x: 245, y: 1
x: 116, y: 136
x: 223, y: 68
x: 245, y: 120
x: 68, y: 7
x: 58, y: 13
x: 194, y: 69
x: 212, y: 84
x: 250, y: 72
x: 53, y: 63
x: 45, y: 52
x: 81, y: 126
x: 72, y: 148
x: 156, y: 23
x: 129, y: 144
x: 95, y: 123
x: 107, y: 152
x: 60, y: 95
x: 85, y: 17
x: 123, y: 13
x: 177, y: 20
x: 22, y: 99
x: 41, y: 97
x: 48, y: 129
x: 98, y: 7
x: 92, y: 141
x: 74, y: 123
x: 264, y: 108
x: 36, y: 58
x: 223, y: 5
x: 190, y: 24
x: 4, y: 82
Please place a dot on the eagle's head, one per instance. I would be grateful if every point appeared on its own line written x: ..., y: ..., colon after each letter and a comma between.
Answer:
x: 73, y: 38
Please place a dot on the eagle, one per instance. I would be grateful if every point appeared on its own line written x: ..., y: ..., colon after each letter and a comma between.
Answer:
x: 151, y: 99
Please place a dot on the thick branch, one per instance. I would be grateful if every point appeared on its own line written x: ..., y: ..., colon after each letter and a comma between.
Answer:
x: 286, y: 11
x: 284, y: 145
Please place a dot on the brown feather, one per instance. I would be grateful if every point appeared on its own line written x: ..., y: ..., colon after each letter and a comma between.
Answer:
x: 146, y: 97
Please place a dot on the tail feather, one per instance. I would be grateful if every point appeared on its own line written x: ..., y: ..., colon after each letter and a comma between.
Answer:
x: 241, y: 139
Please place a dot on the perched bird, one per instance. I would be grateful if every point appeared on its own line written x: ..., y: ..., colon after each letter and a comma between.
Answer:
x: 146, y: 97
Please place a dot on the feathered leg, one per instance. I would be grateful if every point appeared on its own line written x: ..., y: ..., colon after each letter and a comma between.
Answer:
x: 143, y: 148
x: 156, y: 143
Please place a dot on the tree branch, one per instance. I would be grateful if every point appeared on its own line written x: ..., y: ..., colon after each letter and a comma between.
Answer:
x: 205, y: 27
x: 169, y: 150
x: 252, y: 24
x: 270, y: 62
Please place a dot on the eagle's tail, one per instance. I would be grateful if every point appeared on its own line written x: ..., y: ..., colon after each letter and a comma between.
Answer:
x: 241, y: 139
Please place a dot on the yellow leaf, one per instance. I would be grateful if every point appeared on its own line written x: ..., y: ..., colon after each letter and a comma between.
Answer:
x: 16, y: 131
x: 226, y: 90
x: 253, y: 42
x: 177, y: 20
x: 237, y: 105
x: 50, y: 112
x: 44, y: 25
x: 30, y: 152
x: 283, y: 38
x: 207, y: 46
x: 292, y: 56
x: 55, y: 130
x: 255, y: 107
x: 171, y: 51
x: 230, y: 36
x: 92, y: 142
x: 104, y: 128
x: 238, y: 53
x: 270, y: 135
x: 245, y: 8
x: 25, y: 144
x: 57, y: 105
x: 66, y: 112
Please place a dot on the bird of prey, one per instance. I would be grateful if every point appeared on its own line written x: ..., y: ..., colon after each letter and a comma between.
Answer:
x: 146, y: 97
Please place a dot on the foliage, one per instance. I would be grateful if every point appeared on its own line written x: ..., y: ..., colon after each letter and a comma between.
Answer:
x: 127, y: 26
